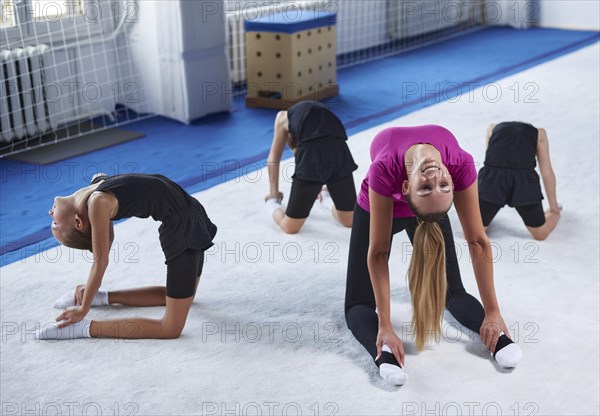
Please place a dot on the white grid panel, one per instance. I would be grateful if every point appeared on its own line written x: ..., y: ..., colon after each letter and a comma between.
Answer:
x: 63, y: 70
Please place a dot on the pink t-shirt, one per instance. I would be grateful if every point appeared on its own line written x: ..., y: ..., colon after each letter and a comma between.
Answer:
x: 387, y: 171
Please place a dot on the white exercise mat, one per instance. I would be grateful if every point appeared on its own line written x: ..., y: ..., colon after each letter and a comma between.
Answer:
x: 266, y: 333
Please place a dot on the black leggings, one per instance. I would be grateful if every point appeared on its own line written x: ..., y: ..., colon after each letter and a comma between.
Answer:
x: 183, y: 272
x: 532, y: 215
x: 360, y: 300
x: 304, y: 193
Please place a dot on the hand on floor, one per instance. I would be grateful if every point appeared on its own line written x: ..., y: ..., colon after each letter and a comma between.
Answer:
x: 555, y: 210
x: 389, y: 338
x: 325, y: 199
x: 492, y: 326
x: 278, y: 196
x: 70, y: 299
x: 70, y: 316
x: 324, y: 193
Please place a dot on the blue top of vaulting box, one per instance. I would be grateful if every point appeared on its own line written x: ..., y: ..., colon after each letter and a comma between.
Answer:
x: 291, y: 21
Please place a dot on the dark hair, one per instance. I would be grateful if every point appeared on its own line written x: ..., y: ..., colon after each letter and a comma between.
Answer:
x: 81, y: 240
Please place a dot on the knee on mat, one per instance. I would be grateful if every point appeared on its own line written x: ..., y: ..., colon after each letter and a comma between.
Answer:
x: 346, y: 222
x: 171, y: 331
x: 539, y: 235
x: 288, y: 228
x: 357, y: 312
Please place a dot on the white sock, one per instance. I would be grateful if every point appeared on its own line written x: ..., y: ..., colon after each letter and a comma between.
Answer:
x: 509, y: 356
x: 326, y: 201
x: 392, y: 373
x: 66, y: 300
x: 272, y: 205
x: 79, y: 329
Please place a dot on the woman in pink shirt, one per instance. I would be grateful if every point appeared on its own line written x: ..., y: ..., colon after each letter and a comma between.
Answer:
x: 415, y: 175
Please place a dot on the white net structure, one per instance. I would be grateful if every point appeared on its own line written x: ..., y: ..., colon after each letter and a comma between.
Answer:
x: 65, y: 70
x: 73, y: 67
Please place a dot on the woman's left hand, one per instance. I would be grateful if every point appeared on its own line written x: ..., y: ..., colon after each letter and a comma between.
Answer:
x: 490, y: 330
x: 70, y: 316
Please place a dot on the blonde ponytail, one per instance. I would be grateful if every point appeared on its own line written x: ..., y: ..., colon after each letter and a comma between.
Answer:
x: 427, y: 281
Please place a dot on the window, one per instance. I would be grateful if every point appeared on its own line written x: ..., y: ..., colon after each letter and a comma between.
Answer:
x: 27, y: 22
x: 54, y: 10
x: 8, y: 18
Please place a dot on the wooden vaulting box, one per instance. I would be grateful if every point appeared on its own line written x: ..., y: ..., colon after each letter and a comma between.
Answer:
x: 291, y: 57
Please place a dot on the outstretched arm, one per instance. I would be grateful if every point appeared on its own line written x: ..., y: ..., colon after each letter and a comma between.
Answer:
x: 377, y: 260
x: 100, y: 209
x: 553, y: 214
x: 543, y: 155
x: 488, y: 134
x: 280, y: 134
x: 467, y: 208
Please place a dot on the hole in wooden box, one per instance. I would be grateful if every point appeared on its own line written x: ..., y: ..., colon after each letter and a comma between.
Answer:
x: 270, y: 94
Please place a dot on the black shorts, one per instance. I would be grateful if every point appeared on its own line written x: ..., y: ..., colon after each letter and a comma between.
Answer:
x: 532, y: 215
x: 507, y: 186
x: 304, y: 193
x: 182, y: 273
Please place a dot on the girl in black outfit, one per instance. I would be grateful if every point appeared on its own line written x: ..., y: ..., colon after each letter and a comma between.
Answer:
x: 84, y: 220
x: 318, y: 140
x: 508, y: 176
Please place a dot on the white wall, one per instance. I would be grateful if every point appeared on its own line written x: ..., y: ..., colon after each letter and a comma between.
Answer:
x: 570, y: 14
x: 139, y: 59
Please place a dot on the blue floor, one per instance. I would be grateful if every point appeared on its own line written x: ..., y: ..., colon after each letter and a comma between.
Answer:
x: 223, y: 146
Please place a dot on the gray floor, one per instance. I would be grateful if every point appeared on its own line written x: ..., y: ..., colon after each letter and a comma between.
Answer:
x: 66, y: 149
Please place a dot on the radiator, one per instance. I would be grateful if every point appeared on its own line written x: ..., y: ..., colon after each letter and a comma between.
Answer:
x: 236, y: 47
x: 24, y: 108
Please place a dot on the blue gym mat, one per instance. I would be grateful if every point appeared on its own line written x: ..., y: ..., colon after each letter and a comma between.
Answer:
x: 221, y: 147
